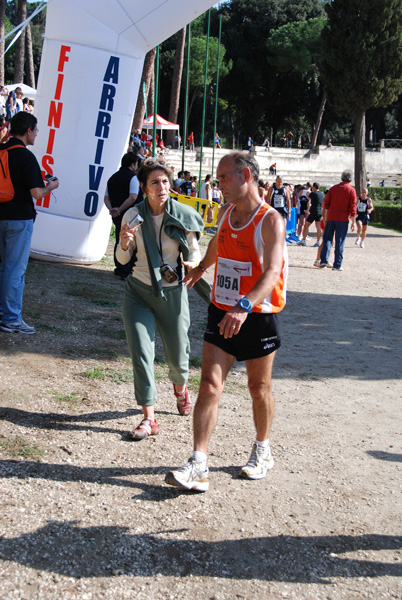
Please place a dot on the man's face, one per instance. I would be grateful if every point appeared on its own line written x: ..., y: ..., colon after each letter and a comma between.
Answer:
x: 231, y: 183
x: 279, y: 183
x: 31, y: 135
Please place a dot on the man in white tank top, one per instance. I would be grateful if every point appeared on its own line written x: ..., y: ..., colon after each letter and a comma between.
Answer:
x: 206, y: 188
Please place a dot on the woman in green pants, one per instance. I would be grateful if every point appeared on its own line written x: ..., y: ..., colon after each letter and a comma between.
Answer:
x: 155, y: 296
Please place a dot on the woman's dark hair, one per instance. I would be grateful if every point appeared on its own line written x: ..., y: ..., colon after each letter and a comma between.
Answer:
x: 21, y: 122
x: 153, y: 164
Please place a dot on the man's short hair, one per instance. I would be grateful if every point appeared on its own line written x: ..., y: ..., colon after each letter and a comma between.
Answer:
x: 316, y: 185
x: 347, y: 176
x: 243, y: 160
x: 21, y: 122
x: 129, y: 159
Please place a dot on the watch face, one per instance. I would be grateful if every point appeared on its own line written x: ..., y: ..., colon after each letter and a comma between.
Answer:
x: 245, y: 303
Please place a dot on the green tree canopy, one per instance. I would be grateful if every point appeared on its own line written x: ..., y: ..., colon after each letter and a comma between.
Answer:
x: 362, y: 62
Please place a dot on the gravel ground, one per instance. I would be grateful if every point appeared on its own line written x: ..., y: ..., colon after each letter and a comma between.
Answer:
x: 85, y: 514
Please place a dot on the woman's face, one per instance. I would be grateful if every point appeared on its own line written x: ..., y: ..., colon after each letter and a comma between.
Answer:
x: 157, y: 187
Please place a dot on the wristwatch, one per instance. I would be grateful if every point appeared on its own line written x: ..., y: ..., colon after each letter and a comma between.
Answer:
x: 246, y: 304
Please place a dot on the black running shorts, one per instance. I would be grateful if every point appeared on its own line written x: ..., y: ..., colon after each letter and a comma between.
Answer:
x: 314, y: 216
x: 258, y: 336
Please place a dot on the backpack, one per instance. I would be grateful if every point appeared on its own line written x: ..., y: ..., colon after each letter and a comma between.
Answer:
x: 6, y: 185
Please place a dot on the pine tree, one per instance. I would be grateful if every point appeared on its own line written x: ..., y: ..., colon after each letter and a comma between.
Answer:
x: 362, y: 63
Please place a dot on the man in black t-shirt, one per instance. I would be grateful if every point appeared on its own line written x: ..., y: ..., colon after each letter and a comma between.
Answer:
x: 16, y: 220
x: 315, y: 214
x: 185, y: 186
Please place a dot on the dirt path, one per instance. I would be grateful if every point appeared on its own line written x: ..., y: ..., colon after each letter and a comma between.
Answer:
x: 86, y: 514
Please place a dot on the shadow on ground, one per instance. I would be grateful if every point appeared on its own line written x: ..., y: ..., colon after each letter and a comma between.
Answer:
x: 67, y: 549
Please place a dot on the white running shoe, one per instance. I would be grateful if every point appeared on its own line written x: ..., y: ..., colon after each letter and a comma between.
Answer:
x: 17, y: 327
x: 357, y: 242
x: 309, y: 238
x: 302, y: 243
x: 316, y: 245
x: 259, y: 463
x: 317, y: 263
x: 361, y: 244
x: 192, y: 476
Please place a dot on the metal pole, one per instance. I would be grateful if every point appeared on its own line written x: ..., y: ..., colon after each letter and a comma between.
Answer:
x: 205, y: 101
x: 155, y: 101
x: 186, y: 95
x: 217, y: 89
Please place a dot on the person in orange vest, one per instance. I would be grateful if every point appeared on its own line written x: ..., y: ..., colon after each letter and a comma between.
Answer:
x: 249, y: 289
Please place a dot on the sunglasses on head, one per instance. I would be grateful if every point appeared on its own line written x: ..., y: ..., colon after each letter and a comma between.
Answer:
x: 150, y: 162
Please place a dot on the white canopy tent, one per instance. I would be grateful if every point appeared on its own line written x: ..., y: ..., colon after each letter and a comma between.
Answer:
x: 27, y: 90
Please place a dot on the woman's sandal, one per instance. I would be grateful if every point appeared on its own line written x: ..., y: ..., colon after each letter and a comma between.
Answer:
x: 183, y: 401
x: 144, y: 429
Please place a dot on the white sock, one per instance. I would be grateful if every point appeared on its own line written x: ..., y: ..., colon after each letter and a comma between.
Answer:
x: 264, y: 444
x: 200, y: 457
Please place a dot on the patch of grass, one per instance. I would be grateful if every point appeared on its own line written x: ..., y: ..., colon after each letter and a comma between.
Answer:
x: 303, y: 375
x: 53, y: 328
x: 195, y: 362
x: 194, y: 382
x: 95, y: 373
x: 102, y: 352
x: 381, y: 226
x: 101, y: 296
x: 19, y: 447
x: 34, y: 314
x: 62, y: 317
x: 100, y: 302
x: 73, y: 397
x: 118, y: 376
x: 72, y: 400
x: 71, y: 350
x: 118, y: 334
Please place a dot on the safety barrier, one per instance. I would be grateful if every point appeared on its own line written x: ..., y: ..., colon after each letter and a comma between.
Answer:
x: 291, y: 226
x: 201, y: 206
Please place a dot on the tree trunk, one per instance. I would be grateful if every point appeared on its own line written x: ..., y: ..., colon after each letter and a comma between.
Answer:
x: 19, y: 56
x: 151, y: 95
x: 3, y: 4
x: 147, y: 71
x: 176, y: 83
x: 360, y: 150
x: 319, y: 121
x: 29, y: 61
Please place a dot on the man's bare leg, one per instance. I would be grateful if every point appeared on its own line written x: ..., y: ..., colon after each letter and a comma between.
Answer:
x: 318, y: 227
x: 259, y: 371
x: 215, y: 366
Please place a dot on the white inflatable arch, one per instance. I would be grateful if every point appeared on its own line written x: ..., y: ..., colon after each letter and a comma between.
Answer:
x: 89, y: 78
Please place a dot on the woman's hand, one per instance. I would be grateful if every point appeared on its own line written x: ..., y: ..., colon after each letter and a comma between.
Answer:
x: 126, y: 236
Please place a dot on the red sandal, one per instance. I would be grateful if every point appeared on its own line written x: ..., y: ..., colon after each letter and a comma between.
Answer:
x: 144, y: 429
x: 183, y: 401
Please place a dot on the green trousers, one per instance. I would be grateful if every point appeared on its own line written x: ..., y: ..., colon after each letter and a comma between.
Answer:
x: 142, y: 314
